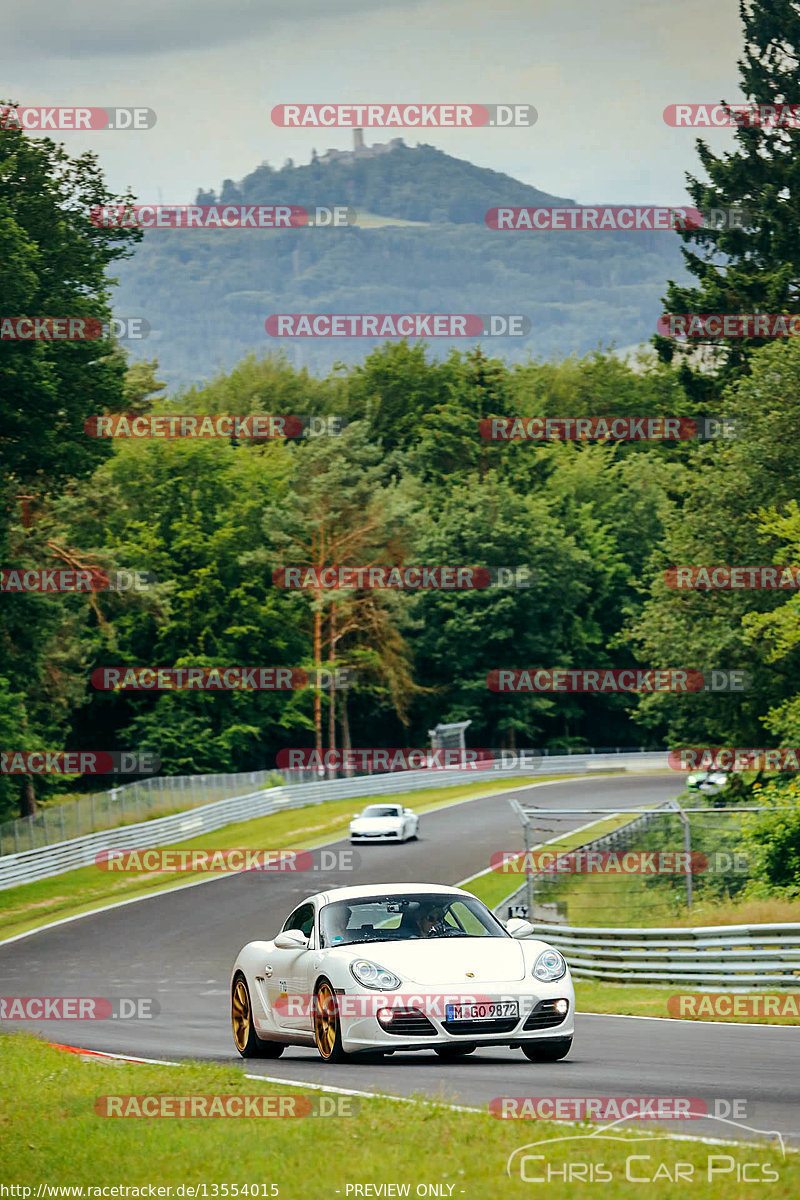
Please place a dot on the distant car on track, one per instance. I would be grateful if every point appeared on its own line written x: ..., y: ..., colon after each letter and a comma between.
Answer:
x: 384, y: 823
x: 708, y: 782
x: 383, y: 968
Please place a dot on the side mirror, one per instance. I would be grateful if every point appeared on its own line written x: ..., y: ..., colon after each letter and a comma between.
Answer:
x: 519, y: 928
x: 354, y: 815
x: 291, y: 939
x: 409, y: 812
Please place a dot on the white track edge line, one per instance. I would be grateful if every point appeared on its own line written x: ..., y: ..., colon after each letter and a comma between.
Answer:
x: 321, y: 1087
x: 181, y: 887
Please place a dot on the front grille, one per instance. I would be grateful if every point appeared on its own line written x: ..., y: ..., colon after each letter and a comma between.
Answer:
x: 544, y: 1016
x: 472, y: 1028
x: 409, y: 1022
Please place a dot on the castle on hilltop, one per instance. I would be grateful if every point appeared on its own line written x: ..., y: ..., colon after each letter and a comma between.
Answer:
x: 359, y: 150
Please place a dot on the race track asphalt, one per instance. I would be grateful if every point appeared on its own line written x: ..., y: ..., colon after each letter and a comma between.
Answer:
x: 179, y: 948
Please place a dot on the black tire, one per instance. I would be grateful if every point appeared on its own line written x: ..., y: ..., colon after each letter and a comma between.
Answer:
x: 452, y: 1052
x: 245, y: 1038
x: 327, y: 1026
x: 547, y: 1051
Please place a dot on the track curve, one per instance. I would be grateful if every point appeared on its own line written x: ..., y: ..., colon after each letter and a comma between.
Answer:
x: 178, y: 947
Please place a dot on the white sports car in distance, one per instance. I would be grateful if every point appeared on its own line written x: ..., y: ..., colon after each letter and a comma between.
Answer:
x: 384, y: 823
x: 396, y: 967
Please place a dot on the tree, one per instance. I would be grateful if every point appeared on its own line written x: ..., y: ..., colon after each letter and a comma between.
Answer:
x: 53, y: 263
x: 752, y: 268
x: 711, y: 518
x: 346, y: 507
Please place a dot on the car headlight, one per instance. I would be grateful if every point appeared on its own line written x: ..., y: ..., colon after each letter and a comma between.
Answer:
x: 549, y: 966
x: 370, y: 975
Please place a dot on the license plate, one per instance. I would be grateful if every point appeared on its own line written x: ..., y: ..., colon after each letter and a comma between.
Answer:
x: 488, y: 1011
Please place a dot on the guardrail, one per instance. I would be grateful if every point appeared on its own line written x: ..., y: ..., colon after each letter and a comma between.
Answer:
x: 30, y: 865
x: 165, y: 795
x: 144, y: 799
x: 731, y: 955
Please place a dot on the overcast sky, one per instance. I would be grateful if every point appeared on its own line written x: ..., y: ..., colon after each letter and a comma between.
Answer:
x: 599, y: 72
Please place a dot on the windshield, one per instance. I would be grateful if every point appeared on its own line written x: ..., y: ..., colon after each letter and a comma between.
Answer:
x: 381, y: 810
x: 401, y: 918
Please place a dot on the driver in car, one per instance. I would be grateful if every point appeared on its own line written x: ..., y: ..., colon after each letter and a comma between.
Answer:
x: 336, y: 920
x: 430, y: 920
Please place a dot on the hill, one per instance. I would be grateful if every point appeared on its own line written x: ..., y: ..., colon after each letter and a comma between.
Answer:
x: 207, y: 293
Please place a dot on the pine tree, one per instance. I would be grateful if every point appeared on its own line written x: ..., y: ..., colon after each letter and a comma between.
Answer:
x: 753, y: 267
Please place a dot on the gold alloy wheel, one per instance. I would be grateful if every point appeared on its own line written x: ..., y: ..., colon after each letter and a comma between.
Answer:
x: 326, y: 1020
x: 240, y: 1015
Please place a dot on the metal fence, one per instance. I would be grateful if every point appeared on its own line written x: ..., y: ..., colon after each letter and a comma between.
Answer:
x: 546, y: 883
x: 161, y: 796
x: 742, y: 956
x: 28, y: 865
x: 124, y: 805
x: 715, y: 955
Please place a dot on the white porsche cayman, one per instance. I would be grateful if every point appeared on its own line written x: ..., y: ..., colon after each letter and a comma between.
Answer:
x: 390, y: 967
x: 384, y: 823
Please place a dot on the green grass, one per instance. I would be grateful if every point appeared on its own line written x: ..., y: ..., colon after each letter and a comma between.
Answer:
x: 52, y: 1134
x: 492, y: 887
x: 642, y: 1000
x: 33, y: 904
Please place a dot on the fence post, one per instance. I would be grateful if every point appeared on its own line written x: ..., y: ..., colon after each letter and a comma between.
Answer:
x: 91, y: 812
x: 63, y: 826
x: 687, y: 845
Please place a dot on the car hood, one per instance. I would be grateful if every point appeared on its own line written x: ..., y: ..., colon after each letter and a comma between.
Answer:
x: 375, y: 824
x: 444, y: 960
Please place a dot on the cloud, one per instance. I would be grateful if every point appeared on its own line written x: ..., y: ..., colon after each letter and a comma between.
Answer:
x: 89, y: 28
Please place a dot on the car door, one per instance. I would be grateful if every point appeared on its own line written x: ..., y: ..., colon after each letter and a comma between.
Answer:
x: 287, y: 972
